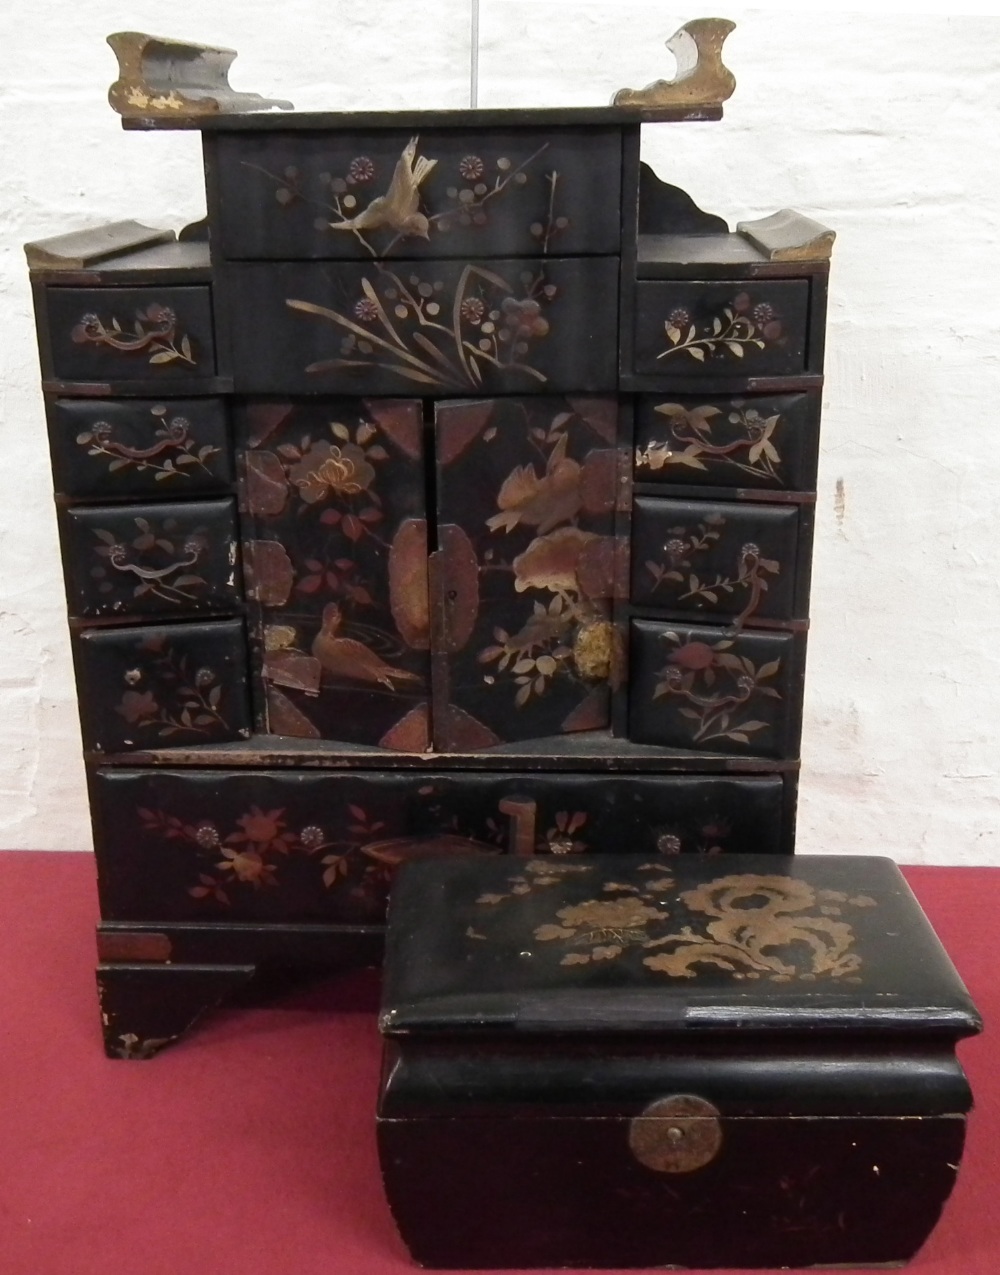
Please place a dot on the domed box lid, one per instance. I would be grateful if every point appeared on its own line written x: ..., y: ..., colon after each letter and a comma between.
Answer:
x: 674, y: 947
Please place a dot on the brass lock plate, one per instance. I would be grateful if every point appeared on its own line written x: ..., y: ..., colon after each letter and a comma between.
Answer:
x: 676, y: 1135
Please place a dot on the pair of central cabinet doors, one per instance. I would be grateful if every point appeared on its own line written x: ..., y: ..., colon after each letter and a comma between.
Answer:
x: 431, y: 575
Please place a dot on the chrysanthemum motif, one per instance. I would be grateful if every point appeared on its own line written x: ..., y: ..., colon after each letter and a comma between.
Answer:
x: 87, y: 329
x: 598, y: 919
x: 472, y: 310
x: 361, y: 169
x: 311, y: 837
x: 679, y: 317
x: 204, y: 677
x: 471, y: 167
x: 366, y: 310
x: 763, y: 313
x: 207, y: 835
x: 668, y: 843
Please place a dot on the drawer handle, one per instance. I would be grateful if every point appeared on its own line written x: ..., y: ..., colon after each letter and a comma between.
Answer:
x: 676, y: 1135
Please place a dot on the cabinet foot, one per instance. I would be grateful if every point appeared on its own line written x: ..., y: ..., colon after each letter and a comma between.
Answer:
x: 147, y: 1007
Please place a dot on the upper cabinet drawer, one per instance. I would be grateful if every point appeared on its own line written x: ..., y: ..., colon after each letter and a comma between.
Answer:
x: 715, y: 690
x: 709, y: 440
x: 706, y: 558
x: 432, y: 327
x: 130, y: 334
x: 163, y: 560
x: 446, y: 193
x: 139, y: 447
x: 744, y: 328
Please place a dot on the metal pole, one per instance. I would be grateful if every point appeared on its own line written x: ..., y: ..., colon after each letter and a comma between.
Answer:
x: 474, y: 56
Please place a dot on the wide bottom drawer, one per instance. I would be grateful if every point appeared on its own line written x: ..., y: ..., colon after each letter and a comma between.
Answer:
x: 307, y: 846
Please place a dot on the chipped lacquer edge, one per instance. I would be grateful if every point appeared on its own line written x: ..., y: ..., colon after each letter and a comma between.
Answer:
x: 161, y: 77
x: 789, y: 236
x: 702, y: 78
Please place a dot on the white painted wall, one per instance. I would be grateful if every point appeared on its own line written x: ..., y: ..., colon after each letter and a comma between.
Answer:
x: 884, y: 127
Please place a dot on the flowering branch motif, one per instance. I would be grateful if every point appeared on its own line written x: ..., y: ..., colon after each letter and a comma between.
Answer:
x: 172, y: 435
x: 751, y: 451
x: 560, y: 838
x: 396, y: 210
x: 244, y: 856
x: 739, y: 327
x: 569, y: 635
x: 151, y: 579
x: 694, y: 668
x: 160, y: 338
x: 250, y: 855
x: 751, y: 926
x: 445, y: 340
x: 684, y: 544
x: 198, y: 696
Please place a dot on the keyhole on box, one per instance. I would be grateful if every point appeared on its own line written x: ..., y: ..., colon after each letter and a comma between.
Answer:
x: 676, y: 1135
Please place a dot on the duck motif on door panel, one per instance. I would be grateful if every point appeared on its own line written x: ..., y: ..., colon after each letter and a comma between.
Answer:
x: 532, y: 651
x: 337, y: 564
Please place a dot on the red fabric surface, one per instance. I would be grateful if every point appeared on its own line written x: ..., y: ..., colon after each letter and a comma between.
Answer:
x: 249, y: 1147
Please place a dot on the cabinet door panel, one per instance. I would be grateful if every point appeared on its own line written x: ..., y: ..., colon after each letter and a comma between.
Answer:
x: 526, y: 495
x: 335, y: 551
x: 311, y: 846
x: 509, y: 192
x: 431, y: 327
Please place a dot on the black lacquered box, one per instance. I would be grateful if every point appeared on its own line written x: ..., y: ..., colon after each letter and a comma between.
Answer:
x: 624, y: 1062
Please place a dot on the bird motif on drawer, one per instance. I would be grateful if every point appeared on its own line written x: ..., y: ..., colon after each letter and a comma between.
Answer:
x: 398, y: 209
x: 346, y: 657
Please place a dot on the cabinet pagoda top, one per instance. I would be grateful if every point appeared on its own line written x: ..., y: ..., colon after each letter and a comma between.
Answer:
x: 172, y: 84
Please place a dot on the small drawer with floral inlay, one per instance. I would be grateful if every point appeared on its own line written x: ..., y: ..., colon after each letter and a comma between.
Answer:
x: 708, y: 440
x: 307, y: 845
x: 130, y: 334
x: 708, y: 559
x: 445, y: 193
x: 684, y: 328
x: 715, y: 689
x: 159, y: 685
x: 139, y: 447
x: 163, y: 560
x: 458, y: 327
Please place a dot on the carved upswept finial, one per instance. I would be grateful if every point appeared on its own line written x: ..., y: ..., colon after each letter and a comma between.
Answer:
x: 163, y: 77
x: 702, y: 78
x: 789, y: 236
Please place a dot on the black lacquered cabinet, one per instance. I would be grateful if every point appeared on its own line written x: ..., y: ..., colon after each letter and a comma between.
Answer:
x: 448, y: 491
